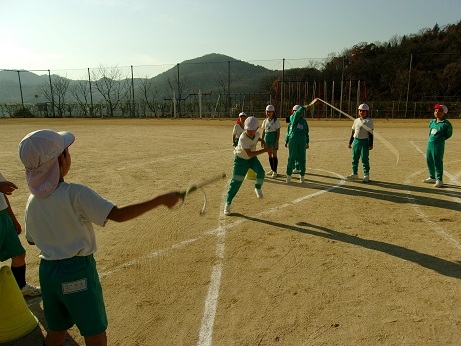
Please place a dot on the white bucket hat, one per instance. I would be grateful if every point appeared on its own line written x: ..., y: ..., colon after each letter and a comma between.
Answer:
x: 39, y: 152
x: 251, y: 123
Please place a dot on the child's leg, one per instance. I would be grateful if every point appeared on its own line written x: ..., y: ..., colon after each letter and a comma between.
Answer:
x: 301, y: 160
x: 355, y: 156
x: 430, y: 159
x: 275, y: 159
x: 291, y: 155
x: 241, y: 167
x: 439, y: 150
x: 271, y: 162
x: 365, y: 157
x: 18, y: 268
x: 256, y: 166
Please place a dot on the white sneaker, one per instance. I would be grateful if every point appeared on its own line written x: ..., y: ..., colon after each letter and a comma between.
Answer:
x: 366, y: 178
x: 270, y: 172
x: 227, y: 209
x: 31, y: 291
x: 259, y: 193
x: 429, y: 180
x: 288, y: 179
x: 295, y: 171
x: 274, y: 174
x: 352, y: 177
x: 438, y: 183
x: 301, y: 179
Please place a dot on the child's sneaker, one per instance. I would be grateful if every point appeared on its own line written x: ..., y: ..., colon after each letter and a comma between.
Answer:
x: 259, y: 193
x: 227, y: 209
x: 429, y: 180
x: 270, y: 172
x: 301, y: 179
x: 352, y: 177
x: 438, y: 183
x: 288, y: 179
x: 366, y: 178
x: 31, y: 291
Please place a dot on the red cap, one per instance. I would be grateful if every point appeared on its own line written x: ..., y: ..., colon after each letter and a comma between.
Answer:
x: 437, y: 106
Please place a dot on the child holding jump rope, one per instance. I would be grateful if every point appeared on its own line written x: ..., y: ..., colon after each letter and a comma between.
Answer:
x: 245, y: 157
x: 59, y: 220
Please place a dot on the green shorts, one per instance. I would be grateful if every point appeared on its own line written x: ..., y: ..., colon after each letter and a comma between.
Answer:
x: 270, y: 138
x: 10, y: 245
x: 72, y: 294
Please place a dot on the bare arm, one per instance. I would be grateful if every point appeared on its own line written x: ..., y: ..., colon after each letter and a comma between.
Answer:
x: 134, y: 210
x: 16, y: 224
x: 7, y: 187
x: 257, y: 152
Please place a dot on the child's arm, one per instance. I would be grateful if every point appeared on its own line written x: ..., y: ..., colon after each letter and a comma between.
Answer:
x: 257, y: 152
x: 7, y: 187
x: 134, y: 210
x: 351, y: 139
x: 17, y: 225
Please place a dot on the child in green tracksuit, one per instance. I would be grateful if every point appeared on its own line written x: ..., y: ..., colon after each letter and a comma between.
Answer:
x: 297, y: 141
x: 440, y: 129
x: 245, y: 157
x: 362, y: 139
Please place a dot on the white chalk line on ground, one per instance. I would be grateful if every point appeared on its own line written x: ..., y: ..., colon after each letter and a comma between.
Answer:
x: 211, y: 301
x: 439, y: 230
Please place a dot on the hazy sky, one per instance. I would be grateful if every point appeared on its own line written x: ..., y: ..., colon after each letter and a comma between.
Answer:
x: 80, y: 34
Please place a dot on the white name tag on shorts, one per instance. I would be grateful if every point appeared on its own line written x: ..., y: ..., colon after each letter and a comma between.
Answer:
x: 74, y: 286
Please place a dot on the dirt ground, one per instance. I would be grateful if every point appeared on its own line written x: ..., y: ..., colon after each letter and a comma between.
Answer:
x: 327, y: 262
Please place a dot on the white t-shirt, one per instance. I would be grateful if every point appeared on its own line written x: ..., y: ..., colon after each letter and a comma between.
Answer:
x: 3, y: 203
x: 61, y: 225
x: 361, y: 127
x: 238, y: 130
x: 269, y: 125
x: 246, y: 142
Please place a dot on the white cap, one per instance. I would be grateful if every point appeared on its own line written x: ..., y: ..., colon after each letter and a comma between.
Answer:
x: 251, y: 123
x: 39, y: 152
x: 243, y: 114
x: 296, y: 107
x: 364, y: 107
x: 270, y: 108
x: 445, y: 109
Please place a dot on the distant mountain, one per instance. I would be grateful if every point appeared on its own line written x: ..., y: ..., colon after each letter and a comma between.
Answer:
x: 209, y: 73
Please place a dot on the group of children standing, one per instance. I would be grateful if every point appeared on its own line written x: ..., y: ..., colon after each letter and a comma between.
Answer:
x: 245, y: 137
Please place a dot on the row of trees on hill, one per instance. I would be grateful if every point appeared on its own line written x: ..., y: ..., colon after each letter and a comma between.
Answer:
x: 419, y: 69
x: 416, y: 68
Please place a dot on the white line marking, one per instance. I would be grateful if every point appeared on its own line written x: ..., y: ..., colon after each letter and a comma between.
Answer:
x: 211, y: 301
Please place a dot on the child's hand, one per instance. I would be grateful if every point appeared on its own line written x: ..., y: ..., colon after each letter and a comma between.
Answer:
x: 7, y: 187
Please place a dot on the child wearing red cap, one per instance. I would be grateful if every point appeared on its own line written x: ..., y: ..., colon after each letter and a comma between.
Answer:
x: 440, y: 129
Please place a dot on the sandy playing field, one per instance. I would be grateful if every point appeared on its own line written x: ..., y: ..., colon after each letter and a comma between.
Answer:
x: 327, y: 262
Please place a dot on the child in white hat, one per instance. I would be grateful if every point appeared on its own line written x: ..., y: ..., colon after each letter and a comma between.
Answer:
x: 361, y: 142
x: 59, y: 220
x: 271, y: 135
x: 245, y: 157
